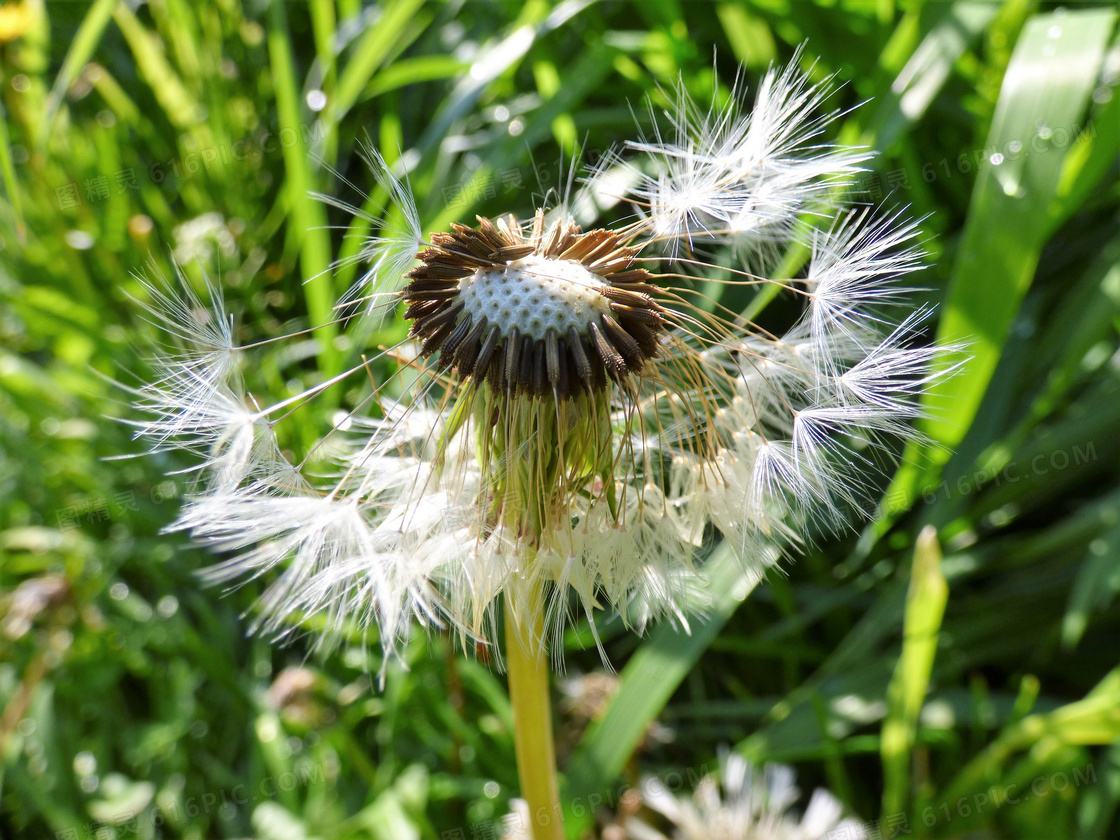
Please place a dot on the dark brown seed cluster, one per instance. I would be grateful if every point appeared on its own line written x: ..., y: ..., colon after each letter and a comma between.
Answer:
x: 618, y: 336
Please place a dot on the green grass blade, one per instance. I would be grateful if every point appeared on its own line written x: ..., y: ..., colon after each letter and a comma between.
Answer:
x: 925, y: 73
x: 81, y: 49
x: 308, y: 217
x: 750, y: 38
x: 371, y: 51
x: 1092, y: 155
x: 925, y: 607
x: 1048, y: 83
x: 396, y: 26
x: 494, y: 58
x: 587, y: 72
x: 1094, y: 720
x: 409, y: 71
x: 323, y: 26
x: 8, y: 174
x: 1096, y: 586
x: 1102, y: 801
x: 181, y: 108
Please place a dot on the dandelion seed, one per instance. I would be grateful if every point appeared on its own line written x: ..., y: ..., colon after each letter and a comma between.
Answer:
x: 744, y: 178
x: 390, y: 253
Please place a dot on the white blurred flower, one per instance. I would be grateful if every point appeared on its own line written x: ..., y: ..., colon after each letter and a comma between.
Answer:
x: 570, y: 419
x: 199, y: 238
x: 746, y: 803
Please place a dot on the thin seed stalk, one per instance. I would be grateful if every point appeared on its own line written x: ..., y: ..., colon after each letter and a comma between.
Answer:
x: 528, y: 671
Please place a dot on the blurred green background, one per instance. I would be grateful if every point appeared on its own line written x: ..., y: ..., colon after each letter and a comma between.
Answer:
x: 957, y: 681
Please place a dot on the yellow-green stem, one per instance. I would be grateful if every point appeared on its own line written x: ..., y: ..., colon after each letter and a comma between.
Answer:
x: 527, y: 667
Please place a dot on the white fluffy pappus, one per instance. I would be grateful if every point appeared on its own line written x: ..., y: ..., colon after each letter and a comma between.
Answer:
x: 726, y: 174
x: 572, y: 451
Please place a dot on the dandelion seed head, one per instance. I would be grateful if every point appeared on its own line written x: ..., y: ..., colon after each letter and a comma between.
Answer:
x: 573, y: 417
x: 549, y: 309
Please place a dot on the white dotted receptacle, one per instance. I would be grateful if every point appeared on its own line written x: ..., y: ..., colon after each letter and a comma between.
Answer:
x: 535, y: 295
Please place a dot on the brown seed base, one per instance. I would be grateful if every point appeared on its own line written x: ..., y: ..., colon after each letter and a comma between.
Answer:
x: 613, y: 346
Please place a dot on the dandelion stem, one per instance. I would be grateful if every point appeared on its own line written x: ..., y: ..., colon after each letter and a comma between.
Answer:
x: 527, y: 667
